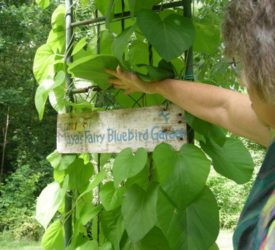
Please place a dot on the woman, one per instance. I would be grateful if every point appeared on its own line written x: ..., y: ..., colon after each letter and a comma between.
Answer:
x: 249, y: 35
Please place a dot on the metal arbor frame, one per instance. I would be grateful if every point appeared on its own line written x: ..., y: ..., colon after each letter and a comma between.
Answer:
x: 70, y: 25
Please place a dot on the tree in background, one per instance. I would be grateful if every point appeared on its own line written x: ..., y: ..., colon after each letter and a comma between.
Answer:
x: 24, y: 141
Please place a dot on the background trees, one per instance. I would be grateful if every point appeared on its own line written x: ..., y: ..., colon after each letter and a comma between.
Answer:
x: 24, y: 170
x: 24, y: 28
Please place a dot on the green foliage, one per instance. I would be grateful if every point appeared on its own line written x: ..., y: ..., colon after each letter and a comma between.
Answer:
x: 23, y: 28
x: 231, y: 197
x: 156, y: 201
x: 232, y: 160
x: 17, y: 203
x: 49, y: 201
x: 128, y: 164
x: 176, y: 172
x: 93, y: 68
x: 43, y: 3
x: 174, y: 34
x: 53, y: 238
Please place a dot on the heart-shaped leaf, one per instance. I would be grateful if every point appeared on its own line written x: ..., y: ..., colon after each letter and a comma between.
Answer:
x: 121, y: 41
x: 58, y: 16
x: 49, y: 201
x: 154, y: 240
x: 110, y: 197
x: 93, y: 67
x: 183, y: 228
x: 170, y: 36
x: 112, y: 225
x: 43, y: 64
x: 128, y: 164
x: 139, y: 211
x: 231, y: 160
x: 206, y: 129
x: 53, y: 238
x: 43, y: 3
x: 182, y: 174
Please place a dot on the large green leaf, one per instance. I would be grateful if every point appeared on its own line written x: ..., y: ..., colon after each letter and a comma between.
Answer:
x: 93, y: 67
x: 109, y: 7
x: 172, y: 222
x: 138, y: 54
x: 137, y: 5
x: 87, y: 212
x: 207, y: 37
x: 58, y: 16
x: 170, y: 36
x: 154, y: 240
x: 112, y: 225
x: 182, y: 174
x: 121, y: 41
x: 202, y: 219
x: 206, y: 129
x: 154, y: 99
x: 110, y: 197
x: 128, y: 164
x: 89, y: 245
x: 139, y: 211
x: 44, y: 89
x: 106, y: 41
x: 231, y: 160
x: 195, y: 227
x: 80, y: 175
x: 158, y: 73
x: 60, y: 161
x: 57, y: 98
x: 79, y: 45
x: 141, y: 179
x: 43, y: 3
x: 43, y: 64
x: 56, y: 38
x: 53, y: 238
x: 49, y: 201
x: 133, y: 100
x: 93, y: 183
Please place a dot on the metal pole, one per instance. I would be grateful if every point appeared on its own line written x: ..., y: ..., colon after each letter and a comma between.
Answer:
x: 69, y: 39
x: 126, y: 14
x: 189, y: 75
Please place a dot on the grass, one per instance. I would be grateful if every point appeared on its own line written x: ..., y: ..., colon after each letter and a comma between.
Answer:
x: 8, y: 243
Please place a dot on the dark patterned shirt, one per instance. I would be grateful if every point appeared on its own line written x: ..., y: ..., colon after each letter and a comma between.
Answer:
x: 256, y: 227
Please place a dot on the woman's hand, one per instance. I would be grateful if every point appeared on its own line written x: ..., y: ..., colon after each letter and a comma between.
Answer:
x: 128, y: 81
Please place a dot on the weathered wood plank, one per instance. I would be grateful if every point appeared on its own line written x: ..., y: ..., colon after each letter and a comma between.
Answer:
x: 111, y: 131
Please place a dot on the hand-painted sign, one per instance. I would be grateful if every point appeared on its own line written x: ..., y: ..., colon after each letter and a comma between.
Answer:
x: 111, y: 131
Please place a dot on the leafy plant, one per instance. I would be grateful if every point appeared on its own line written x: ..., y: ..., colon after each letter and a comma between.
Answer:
x: 156, y: 200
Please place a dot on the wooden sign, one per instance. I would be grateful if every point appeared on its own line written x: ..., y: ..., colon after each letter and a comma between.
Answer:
x: 111, y: 131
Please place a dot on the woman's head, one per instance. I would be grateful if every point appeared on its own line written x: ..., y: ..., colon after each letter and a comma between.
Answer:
x: 249, y: 35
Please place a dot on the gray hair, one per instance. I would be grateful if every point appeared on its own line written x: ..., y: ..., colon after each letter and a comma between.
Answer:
x: 249, y: 35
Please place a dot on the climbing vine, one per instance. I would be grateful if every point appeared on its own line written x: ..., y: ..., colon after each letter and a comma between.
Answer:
x: 132, y: 200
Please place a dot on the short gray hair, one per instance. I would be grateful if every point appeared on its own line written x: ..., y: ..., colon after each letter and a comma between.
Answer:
x: 249, y: 35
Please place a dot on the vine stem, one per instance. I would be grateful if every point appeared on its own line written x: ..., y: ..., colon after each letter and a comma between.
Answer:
x: 68, y: 58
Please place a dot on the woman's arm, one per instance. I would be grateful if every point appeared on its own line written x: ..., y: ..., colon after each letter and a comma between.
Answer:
x: 225, y: 108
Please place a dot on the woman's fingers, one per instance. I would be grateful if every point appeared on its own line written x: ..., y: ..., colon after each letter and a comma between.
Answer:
x: 118, y: 70
x: 111, y: 72
x: 128, y: 91
x: 118, y: 83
